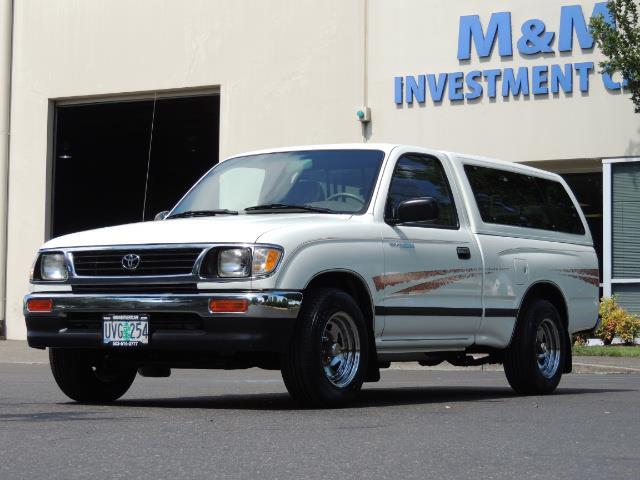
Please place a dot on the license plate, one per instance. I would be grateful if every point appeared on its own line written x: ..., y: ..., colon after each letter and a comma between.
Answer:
x: 125, y: 330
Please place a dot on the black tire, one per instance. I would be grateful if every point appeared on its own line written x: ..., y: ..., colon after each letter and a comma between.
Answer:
x: 308, y: 371
x: 536, y: 357
x: 83, y: 376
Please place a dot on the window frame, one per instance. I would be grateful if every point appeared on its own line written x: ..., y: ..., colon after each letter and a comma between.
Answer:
x: 423, y: 156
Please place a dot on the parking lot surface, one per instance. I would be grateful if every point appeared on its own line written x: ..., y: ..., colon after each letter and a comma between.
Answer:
x: 242, y: 424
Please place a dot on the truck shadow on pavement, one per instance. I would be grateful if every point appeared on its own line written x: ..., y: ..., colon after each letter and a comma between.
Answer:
x: 66, y: 416
x: 374, y: 397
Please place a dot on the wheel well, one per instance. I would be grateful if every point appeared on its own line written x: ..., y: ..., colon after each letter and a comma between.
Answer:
x: 355, y: 286
x: 550, y: 292
x: 350, y: 283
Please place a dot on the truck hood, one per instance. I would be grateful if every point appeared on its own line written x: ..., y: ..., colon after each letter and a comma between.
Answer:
x: 227, y: 229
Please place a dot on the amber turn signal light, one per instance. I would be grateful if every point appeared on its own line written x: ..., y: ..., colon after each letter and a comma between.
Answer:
x: 218, y: 305
x: 39, y: 305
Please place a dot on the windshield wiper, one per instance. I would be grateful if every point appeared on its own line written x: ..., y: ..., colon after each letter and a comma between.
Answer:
x: 203, y: 213
x: 284, y: 206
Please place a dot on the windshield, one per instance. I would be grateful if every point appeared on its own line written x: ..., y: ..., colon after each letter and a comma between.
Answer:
x: 335, y: 181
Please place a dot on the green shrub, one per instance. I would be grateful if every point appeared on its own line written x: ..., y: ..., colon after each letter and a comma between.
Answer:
x: 616, y: 322
x: 628, y: 329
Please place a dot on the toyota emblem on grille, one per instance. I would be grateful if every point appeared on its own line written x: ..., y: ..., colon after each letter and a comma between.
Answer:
x: 131, y: 261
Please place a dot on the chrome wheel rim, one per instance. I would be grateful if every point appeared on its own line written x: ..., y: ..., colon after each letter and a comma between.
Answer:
x: 548, y: 348
x: 340, y: 349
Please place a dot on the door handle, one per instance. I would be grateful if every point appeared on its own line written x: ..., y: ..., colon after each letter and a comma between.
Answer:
x: 464, y: 253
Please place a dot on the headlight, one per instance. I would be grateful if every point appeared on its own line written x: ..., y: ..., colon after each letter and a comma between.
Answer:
x: 234, y: 263
x: 240, y: 262
x: 265, y: 260
x: 53, y: 266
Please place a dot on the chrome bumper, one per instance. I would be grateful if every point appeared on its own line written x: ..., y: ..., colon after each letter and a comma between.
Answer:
x: 75, y: 321
x: 262, y: 304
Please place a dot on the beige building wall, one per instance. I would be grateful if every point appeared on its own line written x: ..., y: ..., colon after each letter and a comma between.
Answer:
x: 289, y: 72
x: 5, y: 116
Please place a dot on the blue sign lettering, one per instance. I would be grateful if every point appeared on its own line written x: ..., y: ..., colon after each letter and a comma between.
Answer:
x: 471, y: 29
x: 416, y: 89
x: 456, y: 84
x: 583, y: 70
x: 535, y: 39
x: 436, y: 87
x: 572, y: 19
x: 515, y: 84
x: 610, y: 84
x: 562, y: 78
x: 399, y: 90
x: 492, y: 80
x: 474, y: 85
x: 540, y: 80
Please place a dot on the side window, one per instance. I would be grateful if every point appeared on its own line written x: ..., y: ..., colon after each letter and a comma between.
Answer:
x: 519, y: 200
x: 562, y: 212
x: 417, y: 176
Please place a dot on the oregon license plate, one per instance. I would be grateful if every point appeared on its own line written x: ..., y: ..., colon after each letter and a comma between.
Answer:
x: 125, y: 330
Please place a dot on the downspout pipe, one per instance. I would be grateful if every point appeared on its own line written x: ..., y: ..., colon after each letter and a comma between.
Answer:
x: 366, y: 126
x: 6, y: 41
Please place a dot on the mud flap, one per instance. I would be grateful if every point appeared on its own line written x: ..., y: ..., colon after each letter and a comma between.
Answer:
x: 568, y: 362
x: 373, y: 370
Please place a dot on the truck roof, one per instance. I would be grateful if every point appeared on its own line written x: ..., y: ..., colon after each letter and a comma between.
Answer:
x: 388, y: 147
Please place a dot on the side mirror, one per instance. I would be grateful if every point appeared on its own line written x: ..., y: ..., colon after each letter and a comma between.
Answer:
x: 417, y: 210
x: 161, y: 216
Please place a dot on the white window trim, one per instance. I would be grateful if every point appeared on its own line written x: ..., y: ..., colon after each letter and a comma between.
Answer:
x: 607, y: 226
x: 137, y: 96
x: 624, y: 281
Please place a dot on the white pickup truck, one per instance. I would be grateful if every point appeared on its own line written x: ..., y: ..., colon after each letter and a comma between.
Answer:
x: 328, y: 263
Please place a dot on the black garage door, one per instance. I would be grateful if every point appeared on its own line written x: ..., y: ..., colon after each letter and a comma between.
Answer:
x: 122, y: 162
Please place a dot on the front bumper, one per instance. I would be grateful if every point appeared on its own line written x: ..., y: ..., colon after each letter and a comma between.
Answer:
x: 176, y: 321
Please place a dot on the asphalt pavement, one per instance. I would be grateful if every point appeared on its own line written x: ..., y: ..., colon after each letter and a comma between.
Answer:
x: 242, y: 424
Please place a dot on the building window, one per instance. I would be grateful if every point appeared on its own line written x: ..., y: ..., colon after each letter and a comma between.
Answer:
x: 624, y: 240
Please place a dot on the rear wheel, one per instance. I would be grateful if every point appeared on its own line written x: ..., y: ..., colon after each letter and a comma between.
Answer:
x: 535, y: 360
x: 326, y: 362
x: 87, y: 377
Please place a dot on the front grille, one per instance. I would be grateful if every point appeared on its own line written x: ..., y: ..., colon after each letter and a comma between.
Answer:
x: 92, y: 322
x: 149, y: 288
x: 152, y: 262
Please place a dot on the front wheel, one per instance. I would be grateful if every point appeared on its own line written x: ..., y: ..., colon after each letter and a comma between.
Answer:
x: 535, y: 360
x: 326, y: 362
x: 86, y: 376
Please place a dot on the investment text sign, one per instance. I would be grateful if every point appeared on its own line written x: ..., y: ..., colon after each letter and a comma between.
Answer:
x: 534, y: 39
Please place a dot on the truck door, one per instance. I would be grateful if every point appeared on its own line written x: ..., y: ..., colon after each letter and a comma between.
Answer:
x: 433, y: 270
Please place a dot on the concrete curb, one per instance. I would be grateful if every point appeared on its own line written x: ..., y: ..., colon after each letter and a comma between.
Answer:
x: 583, y: 367
x: 600, y: 365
